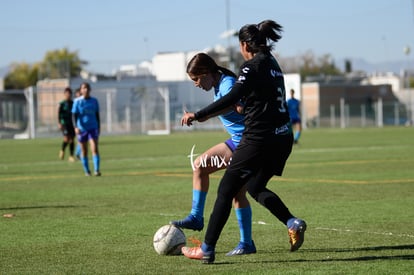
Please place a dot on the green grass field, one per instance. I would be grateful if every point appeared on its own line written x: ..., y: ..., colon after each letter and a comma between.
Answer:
x: 354, y: 187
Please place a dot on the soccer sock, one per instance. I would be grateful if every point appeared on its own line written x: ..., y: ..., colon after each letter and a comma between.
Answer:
x: 71, y: 148
x: 85, y: 164
x: 199, y: 200
x: 297, y: 135
x: 64, y: 144
x: 96, y: 162
x: 244, y: 217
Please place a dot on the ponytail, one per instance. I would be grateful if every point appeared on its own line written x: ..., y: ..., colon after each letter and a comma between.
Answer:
x: 256, y: 36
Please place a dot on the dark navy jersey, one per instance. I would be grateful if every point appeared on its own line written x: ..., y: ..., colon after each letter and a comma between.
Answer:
x: 294, y: 108
x: 261, y: 84
x: 65, y: 112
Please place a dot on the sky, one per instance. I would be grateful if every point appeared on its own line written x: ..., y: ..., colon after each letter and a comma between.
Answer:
x: 109, y: 33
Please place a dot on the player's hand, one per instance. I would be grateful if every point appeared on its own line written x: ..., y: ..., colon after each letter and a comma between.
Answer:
x: 60, y: 126
x: 77, y: 131
x: 187, y: 119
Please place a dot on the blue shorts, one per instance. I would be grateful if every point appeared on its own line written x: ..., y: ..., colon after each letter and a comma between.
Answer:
x: 230, y: 144
x: 295, y: 120
x: 87, y: 135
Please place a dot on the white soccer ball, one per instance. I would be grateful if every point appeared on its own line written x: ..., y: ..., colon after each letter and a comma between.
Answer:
x: 168, y: 240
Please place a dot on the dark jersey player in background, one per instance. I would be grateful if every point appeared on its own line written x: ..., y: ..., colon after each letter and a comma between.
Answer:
x: 266, y: 142
x: 65, y: 124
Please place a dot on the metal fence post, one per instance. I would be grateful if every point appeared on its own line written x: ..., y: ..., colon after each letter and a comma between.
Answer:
x: 342, y: 112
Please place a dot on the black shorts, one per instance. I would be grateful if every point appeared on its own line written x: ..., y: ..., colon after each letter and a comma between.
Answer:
x: 271, y: 155
x: 68, y: 131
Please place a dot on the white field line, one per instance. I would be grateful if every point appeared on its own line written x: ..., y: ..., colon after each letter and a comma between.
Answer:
x: 351, y: 231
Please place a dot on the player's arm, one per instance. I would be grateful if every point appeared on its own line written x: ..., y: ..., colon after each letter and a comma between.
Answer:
x: 239, y: 90
x: 228, y: 101
x: 216, y: 108
x: 60, y: 114
x: 98, y: 119
x: 75, y: 117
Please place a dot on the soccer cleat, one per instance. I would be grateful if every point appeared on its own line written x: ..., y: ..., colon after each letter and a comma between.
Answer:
x: 196, y: 253
x: 71, y: 159
x: 97, y: 173
x: 61, y: 154
x: 88, y: 174
x: 296, y: 234
x: 242, y: 249
x: 190, y: 222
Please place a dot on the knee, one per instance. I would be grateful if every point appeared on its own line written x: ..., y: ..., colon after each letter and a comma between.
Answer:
x: 199, y: 169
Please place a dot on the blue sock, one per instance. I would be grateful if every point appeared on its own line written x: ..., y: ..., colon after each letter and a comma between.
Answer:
x: 244, y: 217
x: 96, y: 161
x: 199, y: 200
x: 85, y: 164
x: 297, y: 135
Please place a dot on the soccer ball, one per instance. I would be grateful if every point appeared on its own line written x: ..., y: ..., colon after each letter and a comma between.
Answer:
x: 168, y: 240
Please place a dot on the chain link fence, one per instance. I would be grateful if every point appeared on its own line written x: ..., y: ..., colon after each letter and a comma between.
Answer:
x: 157, y: 109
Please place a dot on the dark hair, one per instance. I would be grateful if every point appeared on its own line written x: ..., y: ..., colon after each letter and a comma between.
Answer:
x: 256, y: 36
x: 202, y: 63
x: 86, y: 84
x: 68, y: 90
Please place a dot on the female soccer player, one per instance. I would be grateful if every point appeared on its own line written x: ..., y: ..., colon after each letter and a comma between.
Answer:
x: 85, y: 114
x: 294, y: 113
x: 266, y: 142
x: 206, y: 74
x: 66, y: 125
x: 78, y: 147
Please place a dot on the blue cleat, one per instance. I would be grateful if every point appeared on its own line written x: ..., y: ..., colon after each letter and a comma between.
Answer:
x: 242, y: 249
x: 296, y: 233
x: 190, y: 222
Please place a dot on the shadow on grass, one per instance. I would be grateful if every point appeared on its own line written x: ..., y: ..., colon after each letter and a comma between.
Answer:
x: 355, y: 259
x: 40, y: 207
x: 355, y: 249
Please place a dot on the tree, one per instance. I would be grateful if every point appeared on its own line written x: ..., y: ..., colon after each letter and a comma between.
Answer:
x: 61, y: 63
x: 312, y: 66
x: 56, y: 64
x: 22, y: 75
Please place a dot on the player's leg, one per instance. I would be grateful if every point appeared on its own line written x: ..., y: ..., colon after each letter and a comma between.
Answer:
x: 244, y: 219
x: 236, y: 176
x: 93, y: 141
x: 71, y: 147
x: 298, y: 130
x: 256, y: 186
x: 65, y: 143
x: 78, y: 150
x: 83, y: 141
x: 229, y: 186
x: 212, y: 160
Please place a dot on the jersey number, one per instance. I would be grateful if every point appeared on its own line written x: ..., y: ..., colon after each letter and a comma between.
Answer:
x: 281, y: 98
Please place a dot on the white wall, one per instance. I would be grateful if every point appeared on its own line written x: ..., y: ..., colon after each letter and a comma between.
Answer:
x: 172, y: 66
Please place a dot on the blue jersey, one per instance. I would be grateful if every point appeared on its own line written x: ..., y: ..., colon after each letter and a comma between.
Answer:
x: 293, y: 107
x: 86, y: 110
x: 232, y: 121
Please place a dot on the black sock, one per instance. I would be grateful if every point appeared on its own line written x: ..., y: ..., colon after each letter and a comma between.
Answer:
x: 71, y: 148
x: 64, y: 144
